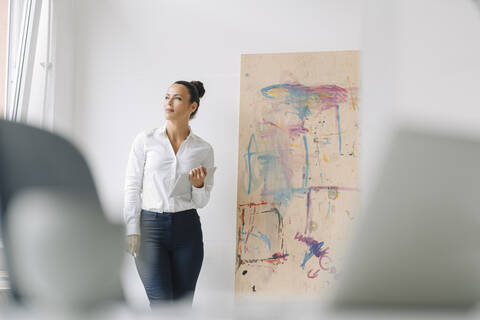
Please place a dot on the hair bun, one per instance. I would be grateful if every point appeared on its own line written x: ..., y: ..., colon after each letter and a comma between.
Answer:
x: 200, y: 88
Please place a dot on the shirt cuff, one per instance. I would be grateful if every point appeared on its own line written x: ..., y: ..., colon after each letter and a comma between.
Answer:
x: 198, y: 189
x: 133, y: 228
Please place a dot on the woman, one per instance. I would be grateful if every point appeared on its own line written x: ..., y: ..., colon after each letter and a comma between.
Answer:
x: 164, y: 232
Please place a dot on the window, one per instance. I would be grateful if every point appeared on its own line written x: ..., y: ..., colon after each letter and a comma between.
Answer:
x: 29, y: 62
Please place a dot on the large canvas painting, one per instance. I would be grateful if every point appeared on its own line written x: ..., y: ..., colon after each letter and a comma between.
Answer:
x: 298, y: 182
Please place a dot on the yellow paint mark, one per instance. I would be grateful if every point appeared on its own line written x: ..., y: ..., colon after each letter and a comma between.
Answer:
x: 325, y: 157
x: 325, y: 95
x: 352, y: 97
x: 278, y: 92
x: 329, y: 134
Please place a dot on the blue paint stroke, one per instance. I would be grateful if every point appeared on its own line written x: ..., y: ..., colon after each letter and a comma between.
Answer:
x: 339, y: 131
x: 314, y: 246
x: 307, y: 257
x: 265, y: 238
x: 302, y: 112
x: 282, y: 196
x: 260, y: 236
x: 314, y: 250
x: 271, y: 169
x: 266, y: 160
x: 306, y: 167
x: 328, y: 212
x: 327, y: 95
x: 296, y: 94
x: 249, y: 154
x: 317, y: 152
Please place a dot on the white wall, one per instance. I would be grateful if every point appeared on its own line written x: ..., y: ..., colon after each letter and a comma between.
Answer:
x: 63, y: 54
x: 128, y: 53
x: 420, y: 67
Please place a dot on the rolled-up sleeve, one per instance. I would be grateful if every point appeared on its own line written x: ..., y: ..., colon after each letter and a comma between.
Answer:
x: 133, y: 185
x: 200, y: 196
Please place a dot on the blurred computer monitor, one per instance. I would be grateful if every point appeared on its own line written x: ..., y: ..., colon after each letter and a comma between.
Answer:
x: 418, y: 239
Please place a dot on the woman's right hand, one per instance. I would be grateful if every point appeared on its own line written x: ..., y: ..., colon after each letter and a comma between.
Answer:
x: 133, y: 244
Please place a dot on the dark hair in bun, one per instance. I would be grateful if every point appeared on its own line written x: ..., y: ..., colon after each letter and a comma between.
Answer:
x: 196, y: 90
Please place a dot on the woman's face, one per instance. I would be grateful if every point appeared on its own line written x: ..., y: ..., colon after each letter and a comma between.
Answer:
x: 177, y: 104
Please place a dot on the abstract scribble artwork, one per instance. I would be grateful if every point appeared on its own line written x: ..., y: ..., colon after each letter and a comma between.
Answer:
x: 298, y: 183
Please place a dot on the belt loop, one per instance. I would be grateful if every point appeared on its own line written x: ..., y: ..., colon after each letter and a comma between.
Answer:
x: 156, y: 214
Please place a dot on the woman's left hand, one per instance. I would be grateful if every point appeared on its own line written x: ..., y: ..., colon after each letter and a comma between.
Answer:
x: 197, y: 176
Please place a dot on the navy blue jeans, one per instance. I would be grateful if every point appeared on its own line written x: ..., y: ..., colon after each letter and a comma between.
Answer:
x: 170, y: 255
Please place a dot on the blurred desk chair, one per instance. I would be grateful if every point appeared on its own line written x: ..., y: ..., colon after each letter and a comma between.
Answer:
x: 54, y: 192
x: 65, y: 255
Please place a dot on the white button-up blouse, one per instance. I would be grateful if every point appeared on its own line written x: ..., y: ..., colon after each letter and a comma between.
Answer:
x: 152, y: 170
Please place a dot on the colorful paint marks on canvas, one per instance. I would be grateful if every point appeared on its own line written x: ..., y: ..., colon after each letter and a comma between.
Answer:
x: 297, y: 172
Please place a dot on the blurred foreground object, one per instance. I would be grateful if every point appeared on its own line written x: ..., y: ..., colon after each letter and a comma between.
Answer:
x: 66, y: 255
x: 418, y: 241
x: 55, y: 191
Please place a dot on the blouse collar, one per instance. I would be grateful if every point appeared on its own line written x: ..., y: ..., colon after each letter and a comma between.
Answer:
x: 163, y: 131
